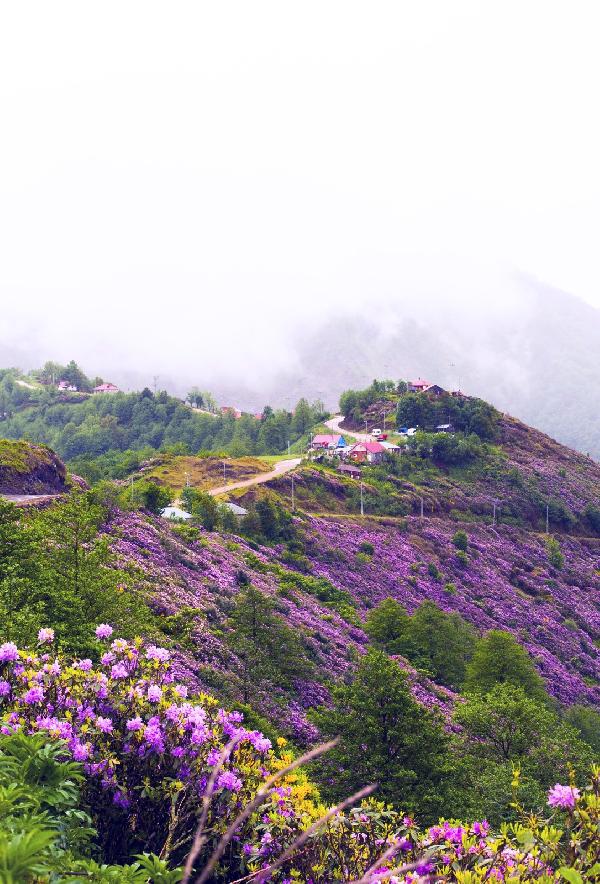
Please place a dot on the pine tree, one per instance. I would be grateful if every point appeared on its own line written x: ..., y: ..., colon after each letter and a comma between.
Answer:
x: 386, y: 737
x: 500, y: 659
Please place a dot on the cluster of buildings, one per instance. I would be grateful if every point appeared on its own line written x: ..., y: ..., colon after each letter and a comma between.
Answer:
x: 372, y: 452
x: 65, y: 386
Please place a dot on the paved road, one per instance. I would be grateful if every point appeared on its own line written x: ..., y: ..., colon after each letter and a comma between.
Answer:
x: 284, y: 466
x: 334, y: 424
x: 29, y: 499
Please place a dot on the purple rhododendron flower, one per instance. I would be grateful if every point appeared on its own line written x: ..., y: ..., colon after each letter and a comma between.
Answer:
x: 4, y: 688
x: 135, y: 724
x: 563, y: 796
x: 45, y: 635
x: 160, y: 654
x: 34, y: 695
x: 104, y: 631
x: 85, y: 665
x: 119, y: 670
x: 154, y: 693
x: 228, y: 780
x: 104, y: 724
x: 8, y: 652
x: 81, y: 751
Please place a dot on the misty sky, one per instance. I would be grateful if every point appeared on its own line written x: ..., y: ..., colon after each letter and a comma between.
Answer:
x: 182, y: 185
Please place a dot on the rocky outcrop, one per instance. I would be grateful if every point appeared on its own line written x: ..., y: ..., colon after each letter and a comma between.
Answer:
x: 30, y: 469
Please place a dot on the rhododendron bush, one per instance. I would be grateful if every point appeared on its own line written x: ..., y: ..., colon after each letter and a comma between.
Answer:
x: 147, y: 751
x: 154, y: 762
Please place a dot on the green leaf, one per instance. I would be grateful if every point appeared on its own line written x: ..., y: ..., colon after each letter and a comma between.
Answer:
x: 571, y: 875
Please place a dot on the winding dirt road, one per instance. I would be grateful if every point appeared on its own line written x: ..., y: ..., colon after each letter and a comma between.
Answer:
x: 284, y: 466
x: 334, y: 424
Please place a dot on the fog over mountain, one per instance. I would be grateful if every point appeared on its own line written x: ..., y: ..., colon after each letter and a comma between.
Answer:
x: 530, y: 349
x: 235, y: 197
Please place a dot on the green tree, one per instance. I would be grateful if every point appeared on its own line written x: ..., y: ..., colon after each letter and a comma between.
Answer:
x: 504, y: 728
x: 443, y: 644
x: 386, y: 737
x: 195, y: 397
x: 303, y: 417
x: 553, y: 550
x: 500, y: 659
x: 201, y: 505
x: 388, y: 627
x: 20, y: 617
x: 586, y: 722
x: 154, y: 497
x: 440, y: 644
x: 268, y: 517
x: 267, y: 648
x: 79, y: 584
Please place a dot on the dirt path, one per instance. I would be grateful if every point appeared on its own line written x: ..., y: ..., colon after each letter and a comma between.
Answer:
x: 334, y: 424
x: 284, y: 466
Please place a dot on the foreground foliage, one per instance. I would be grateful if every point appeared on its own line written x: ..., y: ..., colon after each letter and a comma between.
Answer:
x: 97, y: 764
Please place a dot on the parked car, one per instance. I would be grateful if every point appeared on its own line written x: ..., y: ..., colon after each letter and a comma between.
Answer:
x: 375, y: 432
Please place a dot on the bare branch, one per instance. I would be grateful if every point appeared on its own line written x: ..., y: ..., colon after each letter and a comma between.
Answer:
x: 304, y: 836
x: 199, y: 839
x: 262, y: 793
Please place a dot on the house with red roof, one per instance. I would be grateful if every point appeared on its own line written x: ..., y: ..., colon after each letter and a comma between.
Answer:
x: 229, y: 409
x: 418, y: 386
x: 369, y: 452
x: 327, y: 441
x: 106, y: 388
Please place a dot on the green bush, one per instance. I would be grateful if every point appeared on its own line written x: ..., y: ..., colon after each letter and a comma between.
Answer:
x: 555, y: 556
x: 461, y: 540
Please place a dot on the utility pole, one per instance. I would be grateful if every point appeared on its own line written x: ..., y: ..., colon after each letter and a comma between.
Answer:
x: 547, y: 519
x: 288, y: 447
x: 421, y: 499
x: 155, y: 379
x: 366, y: 429
x: 293, y: 500
x: 224, y: 480
x: 362, y: 504
x: 384, y: 420
x: 494, y: 516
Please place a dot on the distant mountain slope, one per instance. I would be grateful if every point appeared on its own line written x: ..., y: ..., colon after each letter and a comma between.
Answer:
x: 539, y: 360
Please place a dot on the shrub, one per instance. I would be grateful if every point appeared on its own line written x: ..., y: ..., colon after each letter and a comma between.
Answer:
x: 366, y: 548
x: 434, y: 571
x: 462, y: 558
x: 555, y: 556
x: 461, y: 540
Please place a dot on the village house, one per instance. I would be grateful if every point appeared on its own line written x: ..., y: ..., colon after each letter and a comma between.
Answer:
x: 418, y: 386
x: 435, y: 390
x: 421, y: 386
x: 349, y: 470
x: 65, y: 385
x: 238, y: 511
x: 327, y: 441
x: 106, y: 388
x: 367, y: 452
x: 390, y: 447
x: 175, y: 514
x: 230, y: 410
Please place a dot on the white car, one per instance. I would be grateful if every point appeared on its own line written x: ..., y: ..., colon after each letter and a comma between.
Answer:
x: 411, y: 431
x: 376, y: 432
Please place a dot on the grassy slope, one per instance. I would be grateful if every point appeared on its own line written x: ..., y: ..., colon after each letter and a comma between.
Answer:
x: 203, y: 472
